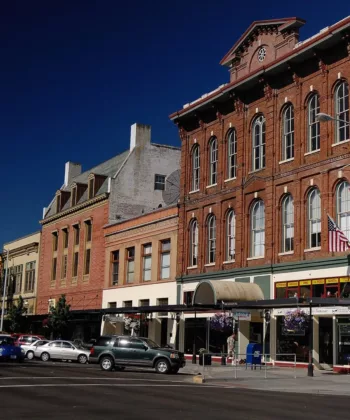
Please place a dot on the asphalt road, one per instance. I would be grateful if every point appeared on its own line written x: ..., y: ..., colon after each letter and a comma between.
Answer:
x: 68, y: 391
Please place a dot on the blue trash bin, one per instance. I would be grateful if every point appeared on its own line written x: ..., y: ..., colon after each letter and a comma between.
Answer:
x: 254, y: 354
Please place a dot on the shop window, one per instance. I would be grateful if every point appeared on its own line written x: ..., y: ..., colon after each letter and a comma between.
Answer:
x: 281, y: 290
x: 188, y: 296
x: 291, y: 342
x: 317, y: 288
x: 305, y: 289
x: 344, y: 288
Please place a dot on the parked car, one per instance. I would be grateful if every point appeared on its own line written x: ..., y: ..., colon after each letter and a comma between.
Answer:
x: 61, y: 350
x: 28, y: 339
x: 120, y: 351
x: 30, y: 348
x: 9, y: 351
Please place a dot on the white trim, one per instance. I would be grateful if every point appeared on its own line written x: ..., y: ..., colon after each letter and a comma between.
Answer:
x: 312, y: 152
x: 317, y: 248
x: 285, y: 161
x: 194, y: 191
x: 255, y: 258
x: 211, y: 186
x: 340, y: 143
x: 286, y: 253
x: 209, y: 265
x: 230, y: 179
x: 192, y: 267
x: 229, y: 262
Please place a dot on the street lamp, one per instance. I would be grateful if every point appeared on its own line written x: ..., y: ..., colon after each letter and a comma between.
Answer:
x: 4, y: 294
x: 322, y: 117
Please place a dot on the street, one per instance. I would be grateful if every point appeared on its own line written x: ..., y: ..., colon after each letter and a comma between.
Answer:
x: 62, y: 390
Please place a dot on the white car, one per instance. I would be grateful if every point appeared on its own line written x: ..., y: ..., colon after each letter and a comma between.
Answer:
x: 61, y: 350
x: 29, y: 349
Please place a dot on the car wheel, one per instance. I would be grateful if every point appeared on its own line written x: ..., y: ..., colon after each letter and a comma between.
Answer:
x: 82, y: 359
x: 30, y: 355
x: 45, y: 357
x: 162, y: 366
x: 107, y: 363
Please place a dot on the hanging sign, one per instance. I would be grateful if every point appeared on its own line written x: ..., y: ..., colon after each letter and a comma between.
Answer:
x: 242, y: 315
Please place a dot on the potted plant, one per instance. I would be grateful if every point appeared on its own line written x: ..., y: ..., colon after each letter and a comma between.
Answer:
x: 296, y: 321
x: 221, y: 322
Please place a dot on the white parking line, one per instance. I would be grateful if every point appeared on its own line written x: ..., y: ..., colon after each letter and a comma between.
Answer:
x: 93, y: 378
x: 109, y: 385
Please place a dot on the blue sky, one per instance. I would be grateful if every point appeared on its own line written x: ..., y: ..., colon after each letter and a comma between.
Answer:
x: 75, y: 74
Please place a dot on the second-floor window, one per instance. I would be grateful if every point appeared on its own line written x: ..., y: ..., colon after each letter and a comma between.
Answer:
x: 313, y: 108
x: 65, y: 238
x: 193, y: 243
x: 258, y: 138
x: 147, y: 262
x: 75, y: 264
x: 230, y: 235
x: 76, y: 234
x: 64, y: 267
x: 213, y: 161
x: 343, y: 207
x: 54, y: 241
x: 211, y: 239
x: 288, y: 133
x: 87, y: 261
x: 314, y: 218
x: 258, y: 229
x: 232, y: 154
x: 165, y: 259
x: 54, y: 269
x: 130, y: 265
x: 17, y: 278
x: 30, y: 277
x: 115, y: 268
x: 287, y: 224
x: 341, y: 98
x: 195, y: 168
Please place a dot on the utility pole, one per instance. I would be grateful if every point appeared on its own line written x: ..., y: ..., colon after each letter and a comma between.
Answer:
x: 4, y: 294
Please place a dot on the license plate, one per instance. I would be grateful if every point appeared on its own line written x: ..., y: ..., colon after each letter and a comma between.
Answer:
x: 13, y: 357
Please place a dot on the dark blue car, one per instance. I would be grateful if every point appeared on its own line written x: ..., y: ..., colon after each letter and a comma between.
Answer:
x: 8, y: 350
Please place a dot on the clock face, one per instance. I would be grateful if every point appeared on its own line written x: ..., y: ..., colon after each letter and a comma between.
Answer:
x: 261, y: 54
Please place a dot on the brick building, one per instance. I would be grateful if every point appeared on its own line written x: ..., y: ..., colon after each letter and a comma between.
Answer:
x: 72, y: 259
x: 260, y: 173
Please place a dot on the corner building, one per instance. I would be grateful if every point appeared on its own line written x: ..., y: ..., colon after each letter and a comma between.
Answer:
x: 259, y: 175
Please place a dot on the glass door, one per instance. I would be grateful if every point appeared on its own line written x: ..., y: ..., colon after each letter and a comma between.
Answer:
x: 344, y: 343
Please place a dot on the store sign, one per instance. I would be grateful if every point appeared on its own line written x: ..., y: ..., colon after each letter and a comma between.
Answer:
x: 242, y: 315
x: 341, y: 310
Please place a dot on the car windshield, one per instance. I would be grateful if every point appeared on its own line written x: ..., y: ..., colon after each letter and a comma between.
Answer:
x: 151, y: 344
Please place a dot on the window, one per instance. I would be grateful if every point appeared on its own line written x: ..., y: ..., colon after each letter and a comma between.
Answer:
x: 314, y: 218
x: 115, y: 267
x: 341, y: 98
x: 258, y: 229
x: 130, y: 264
x: 288, y: 224
x: 91, y: 188
x: 147, y: 262
x: 65, y: 238
x: 58, y: 203
x: 195, y: 168
x: 144, y: 302
x: 54, y: 241
x: 64, y: 267
x: 30, y: 277
x: 87, y: 261
x: 162, y: 302
x: 75, y: 264
x: 343, y: 207
x: 188, y: 297
x: 54, y: 268
x: 17, y: 278
x: 288, y: 133
x: 159, y: 182
x: 313, y: 108
x: 213, y: 161
x: 112, y: 304
x: 232, y: 154
x: 230, y: 235
x: 76, y: 234
x: 88, y: 230
x: 127, y: 304
x: 211, y: 239
x: 193, y: 243
x: 165, y: 259
x: 74, y: 196
x: 258, y: 134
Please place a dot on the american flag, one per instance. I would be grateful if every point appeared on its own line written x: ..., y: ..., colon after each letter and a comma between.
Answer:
x: 337, y: 241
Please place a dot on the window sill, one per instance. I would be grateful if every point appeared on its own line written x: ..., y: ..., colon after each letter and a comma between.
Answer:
x: 340, y: 143
x: 312, y: 152
x: 86, y: 278
x: 256, y: 258
x: 194, y: 191
x: 285, y: 161
x: 211, y: 186
x: 256, y: 170
x: 286, y: 253
x: 209, y: 265
x: 317, y: 248
x: 74, y: 281
x: 193, y: 267
x: 229, y: 262
x: 230, y: 179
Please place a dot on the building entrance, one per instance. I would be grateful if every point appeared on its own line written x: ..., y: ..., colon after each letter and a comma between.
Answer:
x: 326, y: 340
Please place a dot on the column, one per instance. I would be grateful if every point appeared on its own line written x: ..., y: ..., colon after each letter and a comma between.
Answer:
x: 316, y: 340
x: 273, y: 338
x: 243, y: 337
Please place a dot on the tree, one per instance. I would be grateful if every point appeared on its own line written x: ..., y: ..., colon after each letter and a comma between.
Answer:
x: 59, y: 317
x: 15, y: 313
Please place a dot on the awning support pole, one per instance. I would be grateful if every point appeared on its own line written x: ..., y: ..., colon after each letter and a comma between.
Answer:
x: 310, y: 367
x: 194, y: 356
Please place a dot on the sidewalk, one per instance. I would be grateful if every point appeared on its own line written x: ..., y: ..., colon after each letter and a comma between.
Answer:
x: 277, y: 379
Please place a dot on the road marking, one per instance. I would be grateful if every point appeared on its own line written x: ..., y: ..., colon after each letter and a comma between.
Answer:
x: 109, y: 385
x: 73, y: 378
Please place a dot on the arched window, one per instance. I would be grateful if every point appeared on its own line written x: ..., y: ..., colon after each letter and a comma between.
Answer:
x: 313, y: 134
x: 258, y: 138
x: 193, y: 242
x: 343, y: 208
x: 195, y: 168
x: 230, y: 236
x: 213, y: 161
x: 314, y: 218
x: 341, y: 102
x: 258, y: 229
x: 211, y: 239
x: 232, y: 154
x: 288, y: 133
x: 288, y: 224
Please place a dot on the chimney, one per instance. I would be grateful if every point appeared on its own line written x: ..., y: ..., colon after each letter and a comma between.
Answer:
x: 140, y: 135
x: 71, y: 171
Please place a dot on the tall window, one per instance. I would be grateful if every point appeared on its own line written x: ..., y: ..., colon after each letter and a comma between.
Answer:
x: 288, y: 224
x: 343, y: 207
x: 130, y: 264
x: 230, y: 235
x: 213, y: 161
x: 115, y: 267
x: 64, y: 267
x: 87, y: 262
x: 30, y: 277
x: 313, y: 108
x: 91, y: 188
x: 65, y: 238
x: 341, y: 97
x: 195, y: 168
x: 88, y: 230
x: 193, y: 243
x: 75, y: 264
x: 147, y: 262
x: 54, y: 241
x: 88, y: 238
x: 314, y: 218
x: 211, y: 239
x: 74, y: 196
x: 54, y: 269
x: 232, y: 154
x: 165, y: 259
x: 288, y: 133
x: 258, y: 229
x: 76, y: 234
x: 17, y: 277
x: 258, y: 134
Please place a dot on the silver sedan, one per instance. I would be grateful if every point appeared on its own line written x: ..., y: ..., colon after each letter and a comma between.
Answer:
x: 62, y: 350
x: 29, y: 349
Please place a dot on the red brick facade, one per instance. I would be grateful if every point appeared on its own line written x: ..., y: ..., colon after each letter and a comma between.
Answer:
x: 83, y: 291
x: 267, y: 95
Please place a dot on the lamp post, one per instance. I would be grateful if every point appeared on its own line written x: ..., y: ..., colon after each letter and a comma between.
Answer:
x: 322, y: 117
x: 4, y: 294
